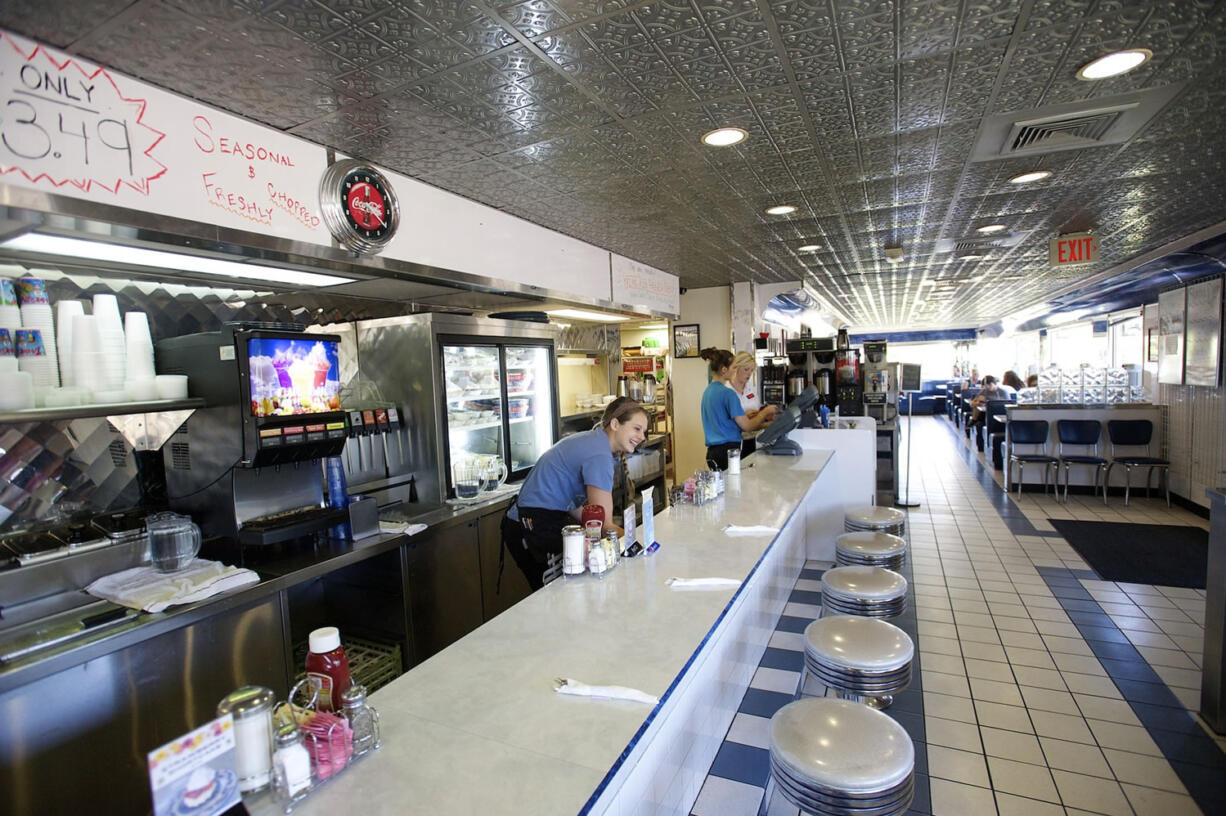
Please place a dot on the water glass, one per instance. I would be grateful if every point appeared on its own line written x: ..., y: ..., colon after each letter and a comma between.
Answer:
x: 468, y: 478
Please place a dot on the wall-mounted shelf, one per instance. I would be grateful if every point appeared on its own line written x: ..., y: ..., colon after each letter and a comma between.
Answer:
x: 146, y: 425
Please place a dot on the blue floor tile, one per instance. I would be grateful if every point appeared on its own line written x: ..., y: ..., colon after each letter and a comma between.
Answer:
x: 921, y: 758
x: 742, y: 763
x: 1118, y: 651
x: 1153, y: 693
x: 913, y: 723
x: 1194, y: 749
x: 1103, y: 634
x: 812, y: 574
x: 1130, y: 670
x: 1065, y: 591
x: 910, y: 701
x: 763, y: 703
x: 1091, y: 618
x: 1089, y: 575
x: 1164, y: 719
x: 1075, y: 605
x: 786, y: 659
x: 1207, y: 785
x: 922, y: 803
x: 805, y: 596
x: 789, y: 623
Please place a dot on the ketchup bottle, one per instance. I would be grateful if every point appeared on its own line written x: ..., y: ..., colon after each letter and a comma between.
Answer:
x: 327, y: 667
x: 592, y: 512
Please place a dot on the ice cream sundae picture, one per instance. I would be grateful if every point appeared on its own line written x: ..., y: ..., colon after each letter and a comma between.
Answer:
x: 200, y: 786
x: 292, y: 377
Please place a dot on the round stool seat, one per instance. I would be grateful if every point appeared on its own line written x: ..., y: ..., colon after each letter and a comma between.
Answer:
x: 871, y: 549
x: 874, y: 517
x: 834, y: 756
x: 863, y: 659
x: 870, y: 592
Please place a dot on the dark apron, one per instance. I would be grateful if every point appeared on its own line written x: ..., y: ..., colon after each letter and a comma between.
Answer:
x: 718, y: 454
x: 537, y: 535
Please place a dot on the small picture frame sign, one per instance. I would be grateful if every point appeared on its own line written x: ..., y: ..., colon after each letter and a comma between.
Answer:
x: 686, y: 340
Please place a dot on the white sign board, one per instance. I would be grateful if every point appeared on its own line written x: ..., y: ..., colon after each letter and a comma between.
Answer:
x: 638, y: 285
x: 69, y: 127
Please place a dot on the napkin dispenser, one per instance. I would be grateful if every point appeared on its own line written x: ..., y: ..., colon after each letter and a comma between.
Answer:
x: 363, y: 516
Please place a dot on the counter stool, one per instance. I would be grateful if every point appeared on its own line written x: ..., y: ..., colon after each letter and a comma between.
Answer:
x: 870, y: 550
x: 869, y: 592
x: 875, y: 518
x: 838, y: 758
x: 865, y: 660
x: 1135, y: 433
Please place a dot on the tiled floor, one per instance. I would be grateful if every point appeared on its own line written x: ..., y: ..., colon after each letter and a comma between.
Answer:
x: 1038, y: 688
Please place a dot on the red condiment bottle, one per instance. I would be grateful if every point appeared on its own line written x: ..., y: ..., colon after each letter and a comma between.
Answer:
x: 592, y: 512
x: 327, y: 667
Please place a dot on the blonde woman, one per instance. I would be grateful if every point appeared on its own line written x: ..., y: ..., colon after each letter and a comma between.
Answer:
x: 740, y: 377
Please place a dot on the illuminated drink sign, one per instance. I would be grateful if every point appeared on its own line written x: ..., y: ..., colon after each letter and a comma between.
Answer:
x: 293, y: 377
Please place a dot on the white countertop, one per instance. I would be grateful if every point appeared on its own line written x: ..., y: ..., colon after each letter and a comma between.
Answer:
x: 478, y: 728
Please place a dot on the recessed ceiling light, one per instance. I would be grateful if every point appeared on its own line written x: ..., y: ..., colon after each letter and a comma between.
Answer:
x: 991, y: 228
x: 780, y: 209
x: 1114, y: 64
x: 724, y: 137
x: 583, y: 314
x: 1026, y: 178
x: 971, y: 257
x: 809, y: 248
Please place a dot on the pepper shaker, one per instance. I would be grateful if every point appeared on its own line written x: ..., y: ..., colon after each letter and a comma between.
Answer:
x: 363, y: 720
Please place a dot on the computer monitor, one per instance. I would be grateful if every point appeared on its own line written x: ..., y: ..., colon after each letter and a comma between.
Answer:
x: 774, y: 439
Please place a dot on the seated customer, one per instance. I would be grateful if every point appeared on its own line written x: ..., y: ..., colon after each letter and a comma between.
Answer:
x: 991, y: 390
x: 1011, y: 383
x: 1032, y: 381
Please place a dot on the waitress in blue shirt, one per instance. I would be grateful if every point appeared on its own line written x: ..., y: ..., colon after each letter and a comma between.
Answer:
x: 576, y: 471
x: 723, y: 418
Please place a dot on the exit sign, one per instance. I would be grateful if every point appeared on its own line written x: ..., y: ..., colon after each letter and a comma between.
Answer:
x: 1075, y: 248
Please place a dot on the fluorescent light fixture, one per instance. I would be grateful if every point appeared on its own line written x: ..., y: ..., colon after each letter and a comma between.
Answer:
x: 972, y: 257
x: 1114, y: 64
x: 809, y: 248
x: 136, y: 256
x: 1026, y: 178
x: 991, y: 228
x: 724, y: 137
x: 780, y: 209
x: 654, y: 326
x: 583, y: 314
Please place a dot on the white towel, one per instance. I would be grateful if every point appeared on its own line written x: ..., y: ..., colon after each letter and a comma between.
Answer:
x: 749, y: 530
x: 146, y: 588
x: 400, y: 527
x: 564, y: 685
x: 703, y: 583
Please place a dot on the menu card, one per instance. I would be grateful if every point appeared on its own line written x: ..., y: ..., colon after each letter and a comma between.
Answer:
x: 649, y: 520
x: 195, y: 774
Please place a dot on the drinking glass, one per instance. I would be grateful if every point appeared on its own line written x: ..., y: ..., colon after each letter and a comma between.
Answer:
x: 467, y: 477
x: 173, y: 541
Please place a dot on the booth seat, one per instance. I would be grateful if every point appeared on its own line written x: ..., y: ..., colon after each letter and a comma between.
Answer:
x: 930, y: 399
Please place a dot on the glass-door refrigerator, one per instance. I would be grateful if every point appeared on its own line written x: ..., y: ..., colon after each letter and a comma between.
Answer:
x: 500, y: 401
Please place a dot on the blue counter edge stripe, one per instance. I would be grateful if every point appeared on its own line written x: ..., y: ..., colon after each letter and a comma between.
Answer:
x: 630, y: 746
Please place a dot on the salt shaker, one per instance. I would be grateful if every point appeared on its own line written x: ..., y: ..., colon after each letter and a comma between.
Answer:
x: 363, y: 720
x: 251, y: 708
x: 291, y: 764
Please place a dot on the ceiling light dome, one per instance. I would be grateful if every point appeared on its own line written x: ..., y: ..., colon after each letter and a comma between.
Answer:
x: 1114, y: 64
x: 780, y: 209
x: 1026, y: 178
x: 991, y: 228
x: 809, y: 248
x: 724, y: 137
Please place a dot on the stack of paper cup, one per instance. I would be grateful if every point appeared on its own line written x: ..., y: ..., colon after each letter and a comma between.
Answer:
x: 32, y: 358
x: 10, y: 311
x: 138, y: 346
x: 87, y: 355
x: 36, y: 315
x: 8, y: 351
x: 16, y: 391
x: 65, y: 311
x: 110, y: 343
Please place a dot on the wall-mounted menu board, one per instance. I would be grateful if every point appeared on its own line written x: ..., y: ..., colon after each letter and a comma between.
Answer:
x: 1172, y: 307
x: 1204, y: 333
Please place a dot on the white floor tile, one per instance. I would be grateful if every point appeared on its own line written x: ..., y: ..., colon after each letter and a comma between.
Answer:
x: 955, y: 799
x: 1022, y: 779
x: 726, y: 797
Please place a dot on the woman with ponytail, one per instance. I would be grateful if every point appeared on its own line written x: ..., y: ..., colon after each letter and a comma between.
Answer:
x: 576, y: 471
x: 723, y: 418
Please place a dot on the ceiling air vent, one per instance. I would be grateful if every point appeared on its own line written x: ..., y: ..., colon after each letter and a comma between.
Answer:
x: 1073, y: 126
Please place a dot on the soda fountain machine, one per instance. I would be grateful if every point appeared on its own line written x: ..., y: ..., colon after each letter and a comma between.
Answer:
x: 247, y: 466
x: 880, y: 382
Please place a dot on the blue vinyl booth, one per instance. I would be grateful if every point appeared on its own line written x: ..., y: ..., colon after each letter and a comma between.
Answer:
x: 930, y: 399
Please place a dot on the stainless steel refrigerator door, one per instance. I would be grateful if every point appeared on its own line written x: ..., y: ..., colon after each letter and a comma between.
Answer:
x: 531, y: 405
x: 472, y: 379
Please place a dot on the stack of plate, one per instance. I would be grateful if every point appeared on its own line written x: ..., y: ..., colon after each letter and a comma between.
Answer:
x: 870, y: 592
x: 870, y: 550
x: 832, y: 756
x: 36, y: 315
x: 875, y: 518
x: 862, y: 659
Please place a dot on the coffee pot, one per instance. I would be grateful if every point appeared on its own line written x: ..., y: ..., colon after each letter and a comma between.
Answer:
x: 174, y: 541
x: 635, y: 390
x: 649, y: 388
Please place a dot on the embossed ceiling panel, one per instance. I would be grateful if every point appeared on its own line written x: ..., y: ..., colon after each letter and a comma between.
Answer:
x: 585, y: 116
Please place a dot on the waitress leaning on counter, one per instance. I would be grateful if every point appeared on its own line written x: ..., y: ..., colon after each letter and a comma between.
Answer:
x: 576, y: 471
x: 723, y: 418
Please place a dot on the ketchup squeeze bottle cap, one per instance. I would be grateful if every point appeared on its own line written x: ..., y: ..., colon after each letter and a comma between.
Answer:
x: 324, y: 639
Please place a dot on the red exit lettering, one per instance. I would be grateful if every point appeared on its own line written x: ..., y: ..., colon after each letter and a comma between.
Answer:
x: 1074, y: 249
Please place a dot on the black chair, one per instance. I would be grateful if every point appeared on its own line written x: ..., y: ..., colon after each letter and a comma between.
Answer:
x: 1085, y: 434
x: 1135, y: 433
x: 963, y: 409
x: 994, y: 418
x: 1031, y: 432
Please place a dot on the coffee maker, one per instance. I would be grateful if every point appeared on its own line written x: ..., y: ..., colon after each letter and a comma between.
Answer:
x: 880, y: 382
x: 248, y: 466
x: 849, y: 387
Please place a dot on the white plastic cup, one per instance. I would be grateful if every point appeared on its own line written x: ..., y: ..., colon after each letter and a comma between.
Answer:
x: 136, y: 326
x: 16, y: 391
x: 106, y: 309
x: 171, y: 386
x: 143, y: 389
